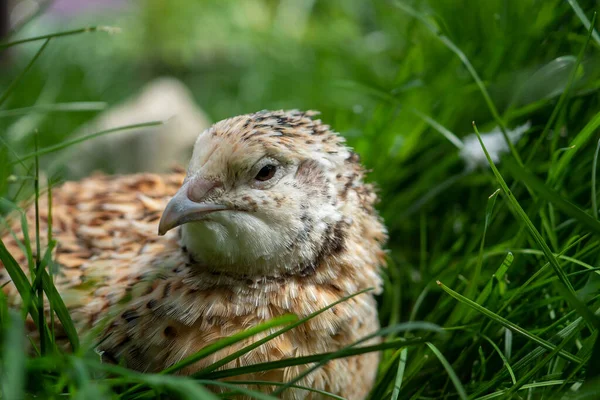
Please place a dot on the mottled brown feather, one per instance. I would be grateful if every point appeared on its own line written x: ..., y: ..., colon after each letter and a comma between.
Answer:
x: 157, y: 305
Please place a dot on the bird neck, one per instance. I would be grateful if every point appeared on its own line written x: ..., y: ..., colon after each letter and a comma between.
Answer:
x: 252, y: 258
x: 344, y: 272
x: 351, y: 245
x: 212, y: 251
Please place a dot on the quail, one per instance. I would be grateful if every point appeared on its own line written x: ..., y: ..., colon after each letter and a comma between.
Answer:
x: 272, y: 217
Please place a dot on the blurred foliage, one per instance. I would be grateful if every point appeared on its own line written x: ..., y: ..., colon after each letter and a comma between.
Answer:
x: 339, y: 57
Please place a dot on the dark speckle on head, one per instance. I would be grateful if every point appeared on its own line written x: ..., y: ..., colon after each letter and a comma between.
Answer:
x: 335, y: 237
x: 349, y: 183
x: 124, y: 340
x: 170, y: 332
x: 151, y: 304
x: 130, y: 315
x: 353, y: 158
x: 166, y: 290
x: 109, y: 358
x: 310, y: 174
x: 135, y: 352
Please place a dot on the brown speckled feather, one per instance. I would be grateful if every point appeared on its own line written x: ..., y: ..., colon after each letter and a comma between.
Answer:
x: 159, y: 304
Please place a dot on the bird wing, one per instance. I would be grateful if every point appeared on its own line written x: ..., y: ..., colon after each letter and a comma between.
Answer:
x: 105, y: 232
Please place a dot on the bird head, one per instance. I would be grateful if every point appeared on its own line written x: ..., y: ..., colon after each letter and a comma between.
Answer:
x: 265, y: 194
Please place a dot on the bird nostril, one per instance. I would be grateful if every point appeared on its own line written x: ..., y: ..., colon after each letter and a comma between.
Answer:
x: 199, y: 188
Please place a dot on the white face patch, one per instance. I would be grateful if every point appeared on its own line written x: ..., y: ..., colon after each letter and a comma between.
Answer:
x: 284, y: 230
x: 280, y: 219
x: 246, y: 241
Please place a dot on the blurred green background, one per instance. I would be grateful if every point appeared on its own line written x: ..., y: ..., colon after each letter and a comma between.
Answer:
x: 380, y: 76
x: 366, y: 65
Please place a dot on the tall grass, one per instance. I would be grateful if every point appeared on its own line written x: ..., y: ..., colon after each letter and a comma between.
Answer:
x: 504, y: 259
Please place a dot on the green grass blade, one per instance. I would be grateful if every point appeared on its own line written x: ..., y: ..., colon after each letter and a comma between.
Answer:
x: 451, y: 137
x: 563, y: 96
x: 471, y: 288
x: 27, y: 243
x: 13, y: 357
x: 529, y: 359
x: 402, y: 327
x: 8, y: 147
x: 290, y: 362
x: 84, y: 387
x: 37, y: 287
x: 507, y: 324
x: 584, y: 19
x: 521, y: 174
x: 228, y: 341
x: 45, y: 261
x: 465, y: 60
x: 453, y: 377
x: 185, y: 387
x: 291, y: 326
x: 49, y: 261
x: 78, y: 106
x: 272, y: 383
x: 502, y: 356
x: 61, y: 310
x: 16, y: 274
x: 422, y: 243
x: 19, y: 279
x: 542, y: 363
x: 521, y: 289
x: 578, y: 143
x: 236, y: 388
x: 400, y: 373
x: 499, y: 274
x: 502, y: 393
x: 18, y: 78
x: 223, y: 343
x: 108, y: 29
x: 569, y: 292
x: 68, y: 143
x: 594, y: 187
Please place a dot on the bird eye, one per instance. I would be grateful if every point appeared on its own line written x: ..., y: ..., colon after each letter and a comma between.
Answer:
x: 266, y: 173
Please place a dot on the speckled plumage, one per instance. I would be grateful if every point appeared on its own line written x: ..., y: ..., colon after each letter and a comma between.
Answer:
x: 294, y: 245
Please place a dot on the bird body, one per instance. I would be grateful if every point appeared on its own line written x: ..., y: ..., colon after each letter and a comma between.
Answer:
x: 275, y: 219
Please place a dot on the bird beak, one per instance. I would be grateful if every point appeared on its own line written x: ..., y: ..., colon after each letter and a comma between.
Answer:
x: 187, y: 206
